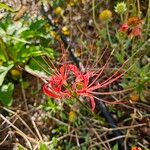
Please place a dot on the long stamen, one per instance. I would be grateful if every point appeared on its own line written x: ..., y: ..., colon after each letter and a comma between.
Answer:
x: 116, y: 78
x: 55, y: 69
x: 115, y: 102
x: 49, y: 67
x: 100, y: 85
x: 41, y: 66
x: 99, y: 59
x: 114, y: 73
x: 101, y: 71
x: 109, y: 93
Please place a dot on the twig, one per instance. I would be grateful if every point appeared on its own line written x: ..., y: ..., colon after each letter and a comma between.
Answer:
x: 58, y: 121
x: 36, y: 129
x: 24, y: 95
x: 24, y: 123
x: 27, y: 138
x: 4, y: 139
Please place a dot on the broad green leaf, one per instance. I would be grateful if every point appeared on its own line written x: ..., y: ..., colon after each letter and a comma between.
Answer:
x: 3, y: 54
x: 37, y: 25
x: 3, y: 72
x: 43, y: 147
x: 49, y: 52
x: 6, y: 7
x: 36, y: 73
x: 6, y: 92
x: 115, y: 147
x: 20, y: 147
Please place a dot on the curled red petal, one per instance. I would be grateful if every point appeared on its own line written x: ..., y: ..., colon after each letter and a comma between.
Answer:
x: 50, y: 93
x: 92, y: 102
x: 72, y: 68
x: 89, y: 96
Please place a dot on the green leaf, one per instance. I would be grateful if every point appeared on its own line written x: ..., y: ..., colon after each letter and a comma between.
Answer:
x: 20, y: 147
x: 6, y: 7
x: 49, y: 52
x: 43, y: 147
x: 3, y: 72
x: 6, y: 92
x: 2, y: 51
x: 37, y: 25
x: 115, y: 147
x: 36, y: 73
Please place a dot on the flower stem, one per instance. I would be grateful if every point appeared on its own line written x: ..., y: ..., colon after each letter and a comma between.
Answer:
x: 108, y: 34
x: 121, y: 16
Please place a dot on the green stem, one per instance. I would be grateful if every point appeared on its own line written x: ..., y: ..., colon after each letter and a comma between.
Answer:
x: 88, y: 109
x: 109, y: 38
x: 93, y: 13
x: 3, y: 47
x: 121, y: 16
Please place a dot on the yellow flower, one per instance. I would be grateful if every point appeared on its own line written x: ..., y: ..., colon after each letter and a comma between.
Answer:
x: 55, y: 35
x: 59, y: 11
x: 15, y: 72
x: 65, y: 31
x: 134, y: 97
x: 105, y: 15
x: 120, y: 8
x: 72, y: 116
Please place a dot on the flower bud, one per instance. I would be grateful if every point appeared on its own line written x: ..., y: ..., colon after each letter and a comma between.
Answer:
x: 120, y: 8
x: 124, y: 28
x: 134, y: 21
x: 105, y: 15
x: 59, y: 11
x: 136, y: 32
x: 65, y: 31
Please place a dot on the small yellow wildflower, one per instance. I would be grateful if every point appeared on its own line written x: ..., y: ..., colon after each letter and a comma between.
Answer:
x: 54, y: 35
x: 78, y: 52
x: 47, y: 26
x: 15, y: 72
x: 134, y: 97
x: 65, y: 31
x: 59, y: 11
x: 120, y: 8
x: 72, y: 116
x: 71, y: 4
x: 105, y: 15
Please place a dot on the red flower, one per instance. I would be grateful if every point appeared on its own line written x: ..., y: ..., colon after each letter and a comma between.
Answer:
x: 81, y: 87
x: 136, y: 32
x: 55, y: 87
x: 133, y: 27
x: 136, y: 148
x: 124, y: 28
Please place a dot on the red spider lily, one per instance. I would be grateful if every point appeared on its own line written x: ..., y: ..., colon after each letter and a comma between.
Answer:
x: 81, y: 87
x: 54, y: 87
